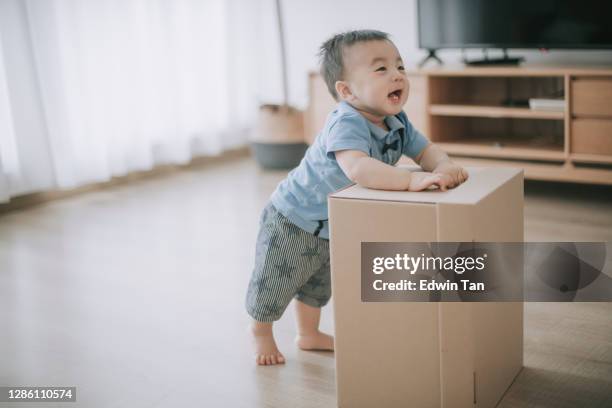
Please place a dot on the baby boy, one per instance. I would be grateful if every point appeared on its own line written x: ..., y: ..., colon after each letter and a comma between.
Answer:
x: 362, y: 140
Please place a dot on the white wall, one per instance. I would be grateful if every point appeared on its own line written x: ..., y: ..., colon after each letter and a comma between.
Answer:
x: 309, y: 23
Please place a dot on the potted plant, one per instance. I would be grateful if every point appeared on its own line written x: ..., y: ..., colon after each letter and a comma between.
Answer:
x: 278, y: 141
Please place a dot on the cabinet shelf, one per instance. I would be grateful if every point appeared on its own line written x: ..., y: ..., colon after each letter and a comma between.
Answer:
x: 506, y: 149
x: 493, y: 112
x: 591, y: 158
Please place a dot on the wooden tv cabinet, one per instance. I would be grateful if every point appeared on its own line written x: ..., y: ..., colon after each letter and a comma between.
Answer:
x: 478, y: 115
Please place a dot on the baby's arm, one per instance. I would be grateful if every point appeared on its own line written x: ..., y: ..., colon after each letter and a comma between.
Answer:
x: 371, y: 173
x: 434, y: 159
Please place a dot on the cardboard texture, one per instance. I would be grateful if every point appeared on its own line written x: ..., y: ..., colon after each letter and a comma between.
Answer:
x: 424, y: 354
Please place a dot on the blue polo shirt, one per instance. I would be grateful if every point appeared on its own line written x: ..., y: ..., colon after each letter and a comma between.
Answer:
x: 302, y: 196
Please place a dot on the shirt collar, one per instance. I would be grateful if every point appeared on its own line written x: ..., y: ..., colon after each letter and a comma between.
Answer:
x: 393, y: 123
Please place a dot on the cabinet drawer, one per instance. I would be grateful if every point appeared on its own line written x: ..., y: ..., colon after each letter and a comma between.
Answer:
x: 592, y: 96
x: 593, y: 136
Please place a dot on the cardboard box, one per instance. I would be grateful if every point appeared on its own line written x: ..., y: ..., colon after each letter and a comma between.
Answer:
x: 424, y: 354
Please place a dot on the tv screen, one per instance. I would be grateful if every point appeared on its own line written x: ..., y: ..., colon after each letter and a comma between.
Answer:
x: 572, y: 24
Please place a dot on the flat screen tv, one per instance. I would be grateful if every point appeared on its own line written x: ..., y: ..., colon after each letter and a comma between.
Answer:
x: 538, y: 24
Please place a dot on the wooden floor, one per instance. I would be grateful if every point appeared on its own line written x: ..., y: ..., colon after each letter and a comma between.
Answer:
x: 135, y: 296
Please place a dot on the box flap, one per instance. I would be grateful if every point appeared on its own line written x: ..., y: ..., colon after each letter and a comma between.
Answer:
x: 481, y: 182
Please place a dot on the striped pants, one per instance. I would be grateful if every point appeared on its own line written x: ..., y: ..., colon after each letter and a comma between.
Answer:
x: 289, y: 262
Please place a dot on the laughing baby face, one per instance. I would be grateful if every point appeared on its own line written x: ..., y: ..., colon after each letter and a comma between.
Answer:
x: 374, y: 80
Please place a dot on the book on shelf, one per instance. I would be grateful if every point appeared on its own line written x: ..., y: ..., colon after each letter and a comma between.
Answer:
x: 547, y: 104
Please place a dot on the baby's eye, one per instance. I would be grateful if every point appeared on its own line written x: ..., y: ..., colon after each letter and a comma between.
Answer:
x: 401, y: 67
x: 381, y: 69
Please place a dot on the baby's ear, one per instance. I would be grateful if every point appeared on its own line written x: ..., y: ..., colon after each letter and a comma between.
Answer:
x: 343, y: 90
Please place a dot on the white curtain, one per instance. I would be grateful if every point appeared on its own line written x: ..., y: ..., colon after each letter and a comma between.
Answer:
x: 91, y: 89
x: 8, y: 153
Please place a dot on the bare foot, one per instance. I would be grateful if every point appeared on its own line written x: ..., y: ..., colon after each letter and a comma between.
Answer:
x: 316, y: 341
x: 266, y: 352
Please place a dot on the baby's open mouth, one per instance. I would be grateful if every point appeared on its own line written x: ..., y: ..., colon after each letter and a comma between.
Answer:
x: 395, y: 95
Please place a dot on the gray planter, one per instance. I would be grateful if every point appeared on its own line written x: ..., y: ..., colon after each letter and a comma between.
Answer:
x: 278, y: 155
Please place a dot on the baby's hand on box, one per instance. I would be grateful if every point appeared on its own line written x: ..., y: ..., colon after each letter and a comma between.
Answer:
x: 452, y: 174
x: 420, y: 180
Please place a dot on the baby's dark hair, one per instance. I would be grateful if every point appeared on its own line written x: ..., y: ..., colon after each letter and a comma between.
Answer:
x: 330, y: 54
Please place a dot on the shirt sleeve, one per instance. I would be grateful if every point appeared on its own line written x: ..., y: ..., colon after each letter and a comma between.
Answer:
x: 350, y: 132
x: 415, y: 142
